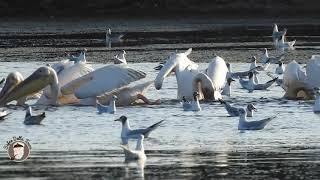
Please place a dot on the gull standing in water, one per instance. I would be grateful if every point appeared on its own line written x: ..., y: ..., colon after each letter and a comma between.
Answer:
x: 138, y: 153
x: 234, y: 111
x: 193, y: 105
x: 112, y: 38
x: 107, y: 109
x: 316, y: 106
x: 253, y: 62
x: 31, y: 119
x: 280, y: 69
x: 243, y: 74
x: 251, y: 125
x: 120, y: 59
x: 270, y: 59
x: 253, y: 86
x: 128, y: 133
x: 227, y: 88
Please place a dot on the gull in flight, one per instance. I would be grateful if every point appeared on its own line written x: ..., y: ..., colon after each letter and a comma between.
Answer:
x: 108, y: 109
x: 120, y: 58
x: 138, y: 153
x: 31, y: 119
x: 128, y: 133
x: 193, y: 105
x: 234, y: 111
x: 251, y: 125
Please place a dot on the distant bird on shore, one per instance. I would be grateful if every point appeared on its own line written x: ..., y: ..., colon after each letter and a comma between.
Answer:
x: 78, y: 56
x: 276, y: 34
x: 112, y: 38
x: 251, y: 125
x: 31, y: 119
x: 120, y: 58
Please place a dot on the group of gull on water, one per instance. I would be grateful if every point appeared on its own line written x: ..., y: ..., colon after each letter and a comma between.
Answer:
x: 74, y: 82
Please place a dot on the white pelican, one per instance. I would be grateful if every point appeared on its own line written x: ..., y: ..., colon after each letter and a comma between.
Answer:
x: 193, y: 105
x: 107, y: 109
x: 31, y: 119
x: 13, y: 79
x: 128, y: 95
x: 105, y: 79
x: 67, y: 71
x: 280, y: 68
x: 121, y: 58
x: 138, y: 153
x: 128, y: 133
x: 251, y: 125
x: 227, y: 88
x: 299, y: 84
x: 189, y: 79
x: 234, y: 111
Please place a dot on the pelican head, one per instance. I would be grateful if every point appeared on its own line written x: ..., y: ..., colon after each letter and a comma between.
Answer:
x: 122, y: 119
x: 176, y: 62
x: 251, y: 107
x: 38, y: 80
x: 12, y: 80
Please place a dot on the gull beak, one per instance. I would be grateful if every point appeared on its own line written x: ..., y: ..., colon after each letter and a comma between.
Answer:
x: 117, y: 119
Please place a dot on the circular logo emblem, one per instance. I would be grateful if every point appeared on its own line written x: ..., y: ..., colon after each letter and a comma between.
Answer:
x: 18, y: 150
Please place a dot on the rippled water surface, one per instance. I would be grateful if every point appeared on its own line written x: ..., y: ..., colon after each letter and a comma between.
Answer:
x: 77, y: 142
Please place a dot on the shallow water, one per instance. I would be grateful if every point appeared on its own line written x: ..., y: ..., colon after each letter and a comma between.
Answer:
x: 77, y: 142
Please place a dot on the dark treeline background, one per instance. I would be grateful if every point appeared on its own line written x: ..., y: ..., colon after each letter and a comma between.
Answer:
x: 223, y: 8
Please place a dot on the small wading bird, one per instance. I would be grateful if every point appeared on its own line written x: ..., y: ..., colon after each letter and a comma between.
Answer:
x: 31, y: 119
x: 107, y: 109
x: 251, y: 125
x: 128, y: 133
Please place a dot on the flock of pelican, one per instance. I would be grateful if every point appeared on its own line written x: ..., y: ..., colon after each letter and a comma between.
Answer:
x: 74, y: 82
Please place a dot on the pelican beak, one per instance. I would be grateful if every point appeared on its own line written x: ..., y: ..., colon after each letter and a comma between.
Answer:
x: 8, y: 86
x: 167, y: 68
x: 34, y: 83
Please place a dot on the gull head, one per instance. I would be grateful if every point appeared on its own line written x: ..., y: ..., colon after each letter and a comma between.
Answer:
x: 195, y: 94
x: 114, y: 97
x: 250, y: 75
x: 253, y: 59
x: 229, y: 80
x: 122, y: 119
x: 280, y: 63
x: 251, y: 107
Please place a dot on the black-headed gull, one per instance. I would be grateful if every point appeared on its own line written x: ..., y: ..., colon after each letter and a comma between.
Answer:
x: 31, y: 119
x: 251, y: 125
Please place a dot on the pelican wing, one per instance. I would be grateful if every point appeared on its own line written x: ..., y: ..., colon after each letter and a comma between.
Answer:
x: 217, y: 71
x: 102, y: 80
